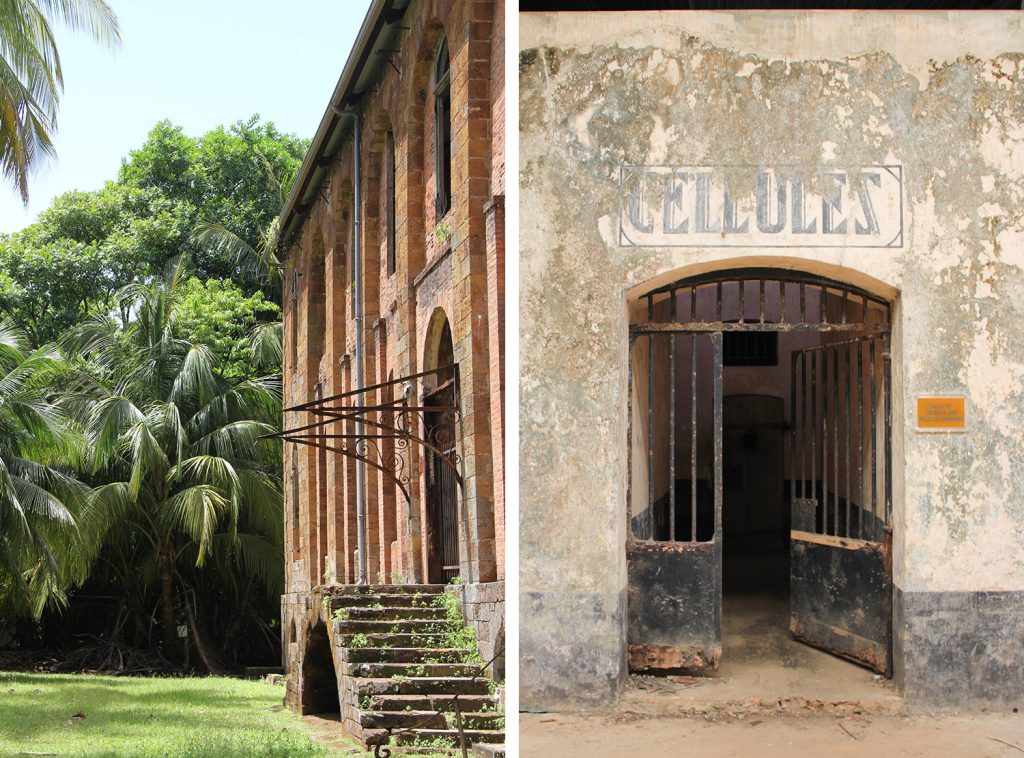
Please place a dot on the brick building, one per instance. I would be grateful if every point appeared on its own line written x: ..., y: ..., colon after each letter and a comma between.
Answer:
x: 393, y: 239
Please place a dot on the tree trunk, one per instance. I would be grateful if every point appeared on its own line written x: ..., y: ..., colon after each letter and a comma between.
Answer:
x: 165, y: 569
x: 131, y: 603
x: 237, y: 625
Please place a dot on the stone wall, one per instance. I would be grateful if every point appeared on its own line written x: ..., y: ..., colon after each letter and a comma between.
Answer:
x: 483, y: 608
x: 938, y: 98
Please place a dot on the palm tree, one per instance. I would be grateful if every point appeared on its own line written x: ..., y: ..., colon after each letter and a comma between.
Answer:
x: 39, y: 496
x: 32, y: 79
x: 185, y: 487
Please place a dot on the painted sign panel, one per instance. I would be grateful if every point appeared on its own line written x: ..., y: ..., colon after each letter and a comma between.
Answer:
x: 760, y: 206
x: 941, y: 413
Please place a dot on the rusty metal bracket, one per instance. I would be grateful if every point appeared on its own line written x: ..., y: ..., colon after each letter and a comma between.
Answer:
x: 393, y: 426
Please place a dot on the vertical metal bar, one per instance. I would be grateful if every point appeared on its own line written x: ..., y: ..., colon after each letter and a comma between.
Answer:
x: 814, y: 424
x: 792, y: 426
x: 824, y: 441
x: 458, y: 722
x: 718, y: 304
x: 803, y: 425
x: 693, y: 437
x: 762, y: 300
x: 649, y: 513
x: 874, y: 442
x: 717, y: 346
x: 803, y: 303
x: 860, y: 439
x: 649, y: 518
x: 782, y: 302
x: 822, y: 299
x: 672, y: 426
x: 693, y: 303
x: 847, y: 380
x: 743, y: 291
x: 845, y: 301
x: 835, y: 441
x: 887, y: 431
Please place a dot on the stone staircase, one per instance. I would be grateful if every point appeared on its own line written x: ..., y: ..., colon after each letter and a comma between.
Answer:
x: 397, y: 668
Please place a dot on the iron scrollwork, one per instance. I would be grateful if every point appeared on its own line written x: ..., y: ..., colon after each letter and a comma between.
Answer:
x: 382, y: 435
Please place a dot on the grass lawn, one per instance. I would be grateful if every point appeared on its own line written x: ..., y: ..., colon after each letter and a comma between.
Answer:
x: 129, y: 716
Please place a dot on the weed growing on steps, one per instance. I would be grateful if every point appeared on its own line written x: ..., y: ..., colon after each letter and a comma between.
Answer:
x: 445, y: 743
x: 340, y: 614
x: 458, y: 635
x: 358, y: 640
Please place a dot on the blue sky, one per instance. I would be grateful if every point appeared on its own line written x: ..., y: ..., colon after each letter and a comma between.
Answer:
x: 199, y: 63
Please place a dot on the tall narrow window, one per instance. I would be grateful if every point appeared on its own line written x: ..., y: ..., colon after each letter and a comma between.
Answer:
x: 442, y: 131
x: 389, y: 178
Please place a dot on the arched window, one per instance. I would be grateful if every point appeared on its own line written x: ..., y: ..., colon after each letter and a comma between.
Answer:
x: 389, y: 198
x: 442, y: 131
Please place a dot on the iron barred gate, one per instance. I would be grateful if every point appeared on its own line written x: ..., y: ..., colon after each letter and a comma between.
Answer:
x: 681, y: 338
x: 442, y: 484
x: 840, y: 566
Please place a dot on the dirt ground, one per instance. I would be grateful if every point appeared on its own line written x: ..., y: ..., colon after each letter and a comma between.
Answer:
x: 802, y: 733
x: 771, y: 696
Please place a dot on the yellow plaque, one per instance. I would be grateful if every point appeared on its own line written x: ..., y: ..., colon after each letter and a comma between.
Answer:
x: 941, y: 413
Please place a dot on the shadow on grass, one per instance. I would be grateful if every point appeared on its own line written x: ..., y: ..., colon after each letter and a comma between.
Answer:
x: 146, y: 717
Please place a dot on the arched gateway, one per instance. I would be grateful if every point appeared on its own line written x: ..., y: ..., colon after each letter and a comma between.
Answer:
x: 759, y: 431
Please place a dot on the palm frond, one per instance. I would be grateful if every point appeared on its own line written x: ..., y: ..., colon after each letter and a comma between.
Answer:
x: 196, y: 511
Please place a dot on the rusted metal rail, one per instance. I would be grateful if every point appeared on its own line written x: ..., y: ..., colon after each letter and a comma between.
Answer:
x: 398, y: 419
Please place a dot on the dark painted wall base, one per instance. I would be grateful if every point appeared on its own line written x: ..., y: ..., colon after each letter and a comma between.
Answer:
x: 571, y: 649
x: 954, y: 649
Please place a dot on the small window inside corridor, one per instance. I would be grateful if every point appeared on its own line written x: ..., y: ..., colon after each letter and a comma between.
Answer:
x: 389, y: 198
x: 442, y: 131
x: 750, y: 349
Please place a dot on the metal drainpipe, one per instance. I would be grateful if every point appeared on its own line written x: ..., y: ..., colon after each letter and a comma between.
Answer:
x: 357, y: 271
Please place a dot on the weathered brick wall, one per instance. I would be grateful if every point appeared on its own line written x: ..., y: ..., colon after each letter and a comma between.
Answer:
x: 448, y: 268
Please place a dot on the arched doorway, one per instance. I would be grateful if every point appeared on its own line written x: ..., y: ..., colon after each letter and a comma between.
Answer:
x: 319, y: 693
x: 759, y: 456
x: 441, y: 484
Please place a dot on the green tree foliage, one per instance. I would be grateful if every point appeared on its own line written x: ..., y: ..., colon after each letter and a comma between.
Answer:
x: 188, y: 509
x: 233, y: 178
x: 88, y: 245
x: 218, y: 314
x: 40, y: 498
x: 32, y: 78
x: 166, y: 381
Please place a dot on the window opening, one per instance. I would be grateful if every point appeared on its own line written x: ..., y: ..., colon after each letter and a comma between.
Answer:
x: 442, y: 131
x: 389, y: 178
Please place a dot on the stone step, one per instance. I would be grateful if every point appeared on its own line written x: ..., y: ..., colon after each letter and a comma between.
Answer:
x: 428, y: 720
x: 423, y: 686
x: 418, y: 626
x: 450, y: 736
x: 388, y: 639
x: 429, y: 670
x: 394, y: 614
x: 409, y: 654
x: 489, y: 751
x: 383, y: 589
x: 431, y: 702
x: 391, y: 601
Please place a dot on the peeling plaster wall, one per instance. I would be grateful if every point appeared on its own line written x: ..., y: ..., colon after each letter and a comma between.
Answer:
x: 940, y: 93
